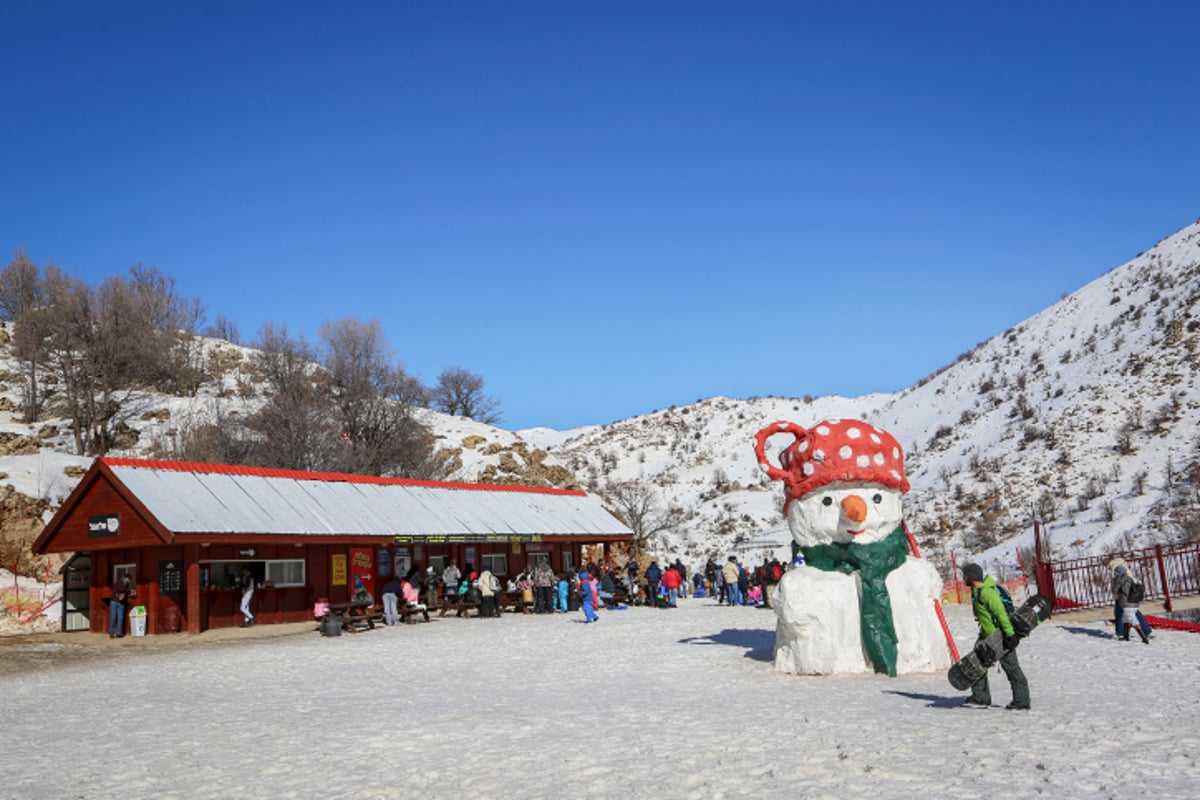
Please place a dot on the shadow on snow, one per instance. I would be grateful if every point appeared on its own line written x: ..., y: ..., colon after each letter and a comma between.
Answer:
x: 759, y: 644
x: 1086, y: 631
x: 932, y: 700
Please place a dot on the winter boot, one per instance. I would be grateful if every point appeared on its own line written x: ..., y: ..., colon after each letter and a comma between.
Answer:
x: 1145, y: 638
x: 1125, y: 636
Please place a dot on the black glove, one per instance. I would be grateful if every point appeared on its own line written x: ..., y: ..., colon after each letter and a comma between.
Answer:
x: 985, y: 654
x: 1011, y: 642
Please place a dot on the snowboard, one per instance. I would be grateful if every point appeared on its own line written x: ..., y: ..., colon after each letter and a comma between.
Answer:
x: 974, y: 665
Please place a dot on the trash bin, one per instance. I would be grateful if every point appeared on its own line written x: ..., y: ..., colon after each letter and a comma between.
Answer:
x: 169, y: 621
x: 137, y: 621
x: 331, y: 625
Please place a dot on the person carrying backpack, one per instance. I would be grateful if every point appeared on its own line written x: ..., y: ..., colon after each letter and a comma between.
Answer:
x: 992, y: 616
x: 1128, y: 594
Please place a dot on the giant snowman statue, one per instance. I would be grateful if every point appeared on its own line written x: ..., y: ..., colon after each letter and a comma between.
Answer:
x: 855, y: 599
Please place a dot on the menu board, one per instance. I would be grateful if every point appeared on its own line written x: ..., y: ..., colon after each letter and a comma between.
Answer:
x: 170, y: 577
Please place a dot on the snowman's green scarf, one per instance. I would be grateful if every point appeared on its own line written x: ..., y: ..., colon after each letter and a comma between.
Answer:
x: 873, y: 562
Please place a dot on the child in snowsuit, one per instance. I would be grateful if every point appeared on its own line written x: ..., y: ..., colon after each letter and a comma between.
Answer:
x: 990, y: 614
x: 560, y: 598
x: 588, y: 596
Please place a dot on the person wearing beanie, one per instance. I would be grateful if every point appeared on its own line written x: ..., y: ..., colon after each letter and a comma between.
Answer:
x: 1127, y: 615
x: 991, y: 615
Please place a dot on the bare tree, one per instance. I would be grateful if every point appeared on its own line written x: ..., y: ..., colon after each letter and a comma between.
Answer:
x: 373, y: 402
x: 1045, y: 507
x: 20, y: 287
x: 460, y: 393
x: 105, y: 345
x: 295, y: 429
x: 23, y: 301
x: 224, y: 328
x: 223, y: 441
x: 170, y: 357
x: 639, y: 507
x: 31, y: 346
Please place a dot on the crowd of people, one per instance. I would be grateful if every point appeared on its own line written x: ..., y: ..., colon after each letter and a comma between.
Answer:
x: 592, y: 587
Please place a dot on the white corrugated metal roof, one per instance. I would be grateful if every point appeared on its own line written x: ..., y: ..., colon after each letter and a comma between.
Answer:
x: 192, y: 499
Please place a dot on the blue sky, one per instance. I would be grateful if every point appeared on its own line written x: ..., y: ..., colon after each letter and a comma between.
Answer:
x: 606, y: 209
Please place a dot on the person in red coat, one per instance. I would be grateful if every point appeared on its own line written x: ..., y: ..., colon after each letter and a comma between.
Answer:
x: 671, y: 581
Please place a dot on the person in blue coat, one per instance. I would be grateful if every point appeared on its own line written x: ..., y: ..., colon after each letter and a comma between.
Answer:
x: 654, y: 575
x: 588, y: 596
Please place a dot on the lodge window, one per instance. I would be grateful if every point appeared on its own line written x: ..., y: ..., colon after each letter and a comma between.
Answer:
x: 496, y: 562
x: 568, y: 560
x: 288, y: 572
x: 123, y: 570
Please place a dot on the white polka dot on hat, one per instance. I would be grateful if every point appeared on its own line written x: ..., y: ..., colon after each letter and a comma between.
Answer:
x: 835, y: 450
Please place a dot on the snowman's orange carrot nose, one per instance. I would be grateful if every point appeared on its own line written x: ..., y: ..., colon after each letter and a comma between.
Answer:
x: 854, y: 507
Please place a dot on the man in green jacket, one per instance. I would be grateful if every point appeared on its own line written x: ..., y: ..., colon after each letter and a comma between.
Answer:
x: 990, y: 614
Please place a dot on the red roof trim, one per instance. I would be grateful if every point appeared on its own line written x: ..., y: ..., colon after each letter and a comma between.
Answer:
x: 329, y: 477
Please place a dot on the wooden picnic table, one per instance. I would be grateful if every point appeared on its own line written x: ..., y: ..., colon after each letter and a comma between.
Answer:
x: 356, y: 614
x: 458, y: 604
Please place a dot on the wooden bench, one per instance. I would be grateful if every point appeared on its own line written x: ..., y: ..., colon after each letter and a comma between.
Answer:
x: 515, y: 601
x: 409, y: 613
x: 458, y: 604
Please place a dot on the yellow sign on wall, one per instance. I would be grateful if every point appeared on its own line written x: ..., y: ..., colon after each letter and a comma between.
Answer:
x: 339, y: 570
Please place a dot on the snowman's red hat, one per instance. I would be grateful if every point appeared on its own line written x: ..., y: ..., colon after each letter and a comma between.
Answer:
x: 835, y: 450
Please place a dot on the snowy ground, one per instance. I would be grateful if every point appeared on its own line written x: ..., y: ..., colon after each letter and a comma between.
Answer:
x: 656, y: 704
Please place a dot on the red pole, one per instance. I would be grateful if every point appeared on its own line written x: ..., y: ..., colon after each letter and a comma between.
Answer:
x: 937, y: 604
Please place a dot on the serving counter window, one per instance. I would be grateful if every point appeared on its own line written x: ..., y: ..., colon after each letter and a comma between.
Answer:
x: 228, y: 574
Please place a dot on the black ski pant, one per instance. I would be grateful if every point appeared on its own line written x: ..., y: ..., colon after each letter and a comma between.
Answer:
x: 981, y: 693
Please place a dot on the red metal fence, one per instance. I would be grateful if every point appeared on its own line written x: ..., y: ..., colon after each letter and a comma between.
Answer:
x: 1167, y: 571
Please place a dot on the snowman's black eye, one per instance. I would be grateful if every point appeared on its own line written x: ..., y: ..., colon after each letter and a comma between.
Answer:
x: 827, y: 501
x: 877, y: 499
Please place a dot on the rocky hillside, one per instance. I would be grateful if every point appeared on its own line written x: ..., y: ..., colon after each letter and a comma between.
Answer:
x: 38, y: 470
x: 1086, y: 416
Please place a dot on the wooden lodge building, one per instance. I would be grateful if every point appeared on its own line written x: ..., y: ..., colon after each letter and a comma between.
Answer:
x: 183, y: 532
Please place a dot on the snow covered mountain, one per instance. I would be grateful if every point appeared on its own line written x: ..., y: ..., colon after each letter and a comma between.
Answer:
x: 1086, y: 415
